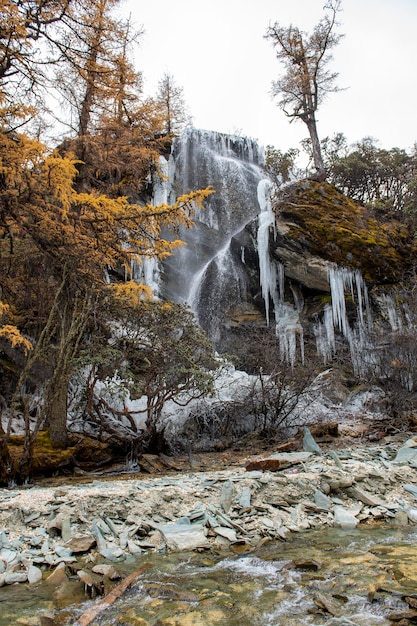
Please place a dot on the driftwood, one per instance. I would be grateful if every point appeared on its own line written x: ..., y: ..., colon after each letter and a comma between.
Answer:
x: 89, y: 615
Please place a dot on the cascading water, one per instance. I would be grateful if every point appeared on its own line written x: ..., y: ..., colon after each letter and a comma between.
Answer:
x: 209, y: 271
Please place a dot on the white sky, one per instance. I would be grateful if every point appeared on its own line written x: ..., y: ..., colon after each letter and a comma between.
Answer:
x: 216, y: 51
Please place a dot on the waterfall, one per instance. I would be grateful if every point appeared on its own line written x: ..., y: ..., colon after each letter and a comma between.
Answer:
x: 208, y: 272
x: 148, y: 270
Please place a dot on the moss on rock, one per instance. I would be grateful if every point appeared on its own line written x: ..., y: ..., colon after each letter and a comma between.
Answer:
x: 340, y: 230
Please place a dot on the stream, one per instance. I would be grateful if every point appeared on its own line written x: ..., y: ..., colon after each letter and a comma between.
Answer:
x: 325, y: 576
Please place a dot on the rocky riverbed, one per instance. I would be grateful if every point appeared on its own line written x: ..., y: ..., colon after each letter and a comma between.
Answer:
x: 47, y: 531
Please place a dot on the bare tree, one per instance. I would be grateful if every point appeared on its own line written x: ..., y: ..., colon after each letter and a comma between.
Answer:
x: 306, y: 80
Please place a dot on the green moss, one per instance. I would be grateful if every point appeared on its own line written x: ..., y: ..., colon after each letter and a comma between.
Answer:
x: 338, y: 229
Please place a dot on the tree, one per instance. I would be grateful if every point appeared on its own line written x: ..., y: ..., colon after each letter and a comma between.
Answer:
x: 159, y: 354
x: 306, y: 80
x: 170, y: 98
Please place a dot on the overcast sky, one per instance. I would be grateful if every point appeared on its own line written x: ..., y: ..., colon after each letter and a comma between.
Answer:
x: 216, y: 51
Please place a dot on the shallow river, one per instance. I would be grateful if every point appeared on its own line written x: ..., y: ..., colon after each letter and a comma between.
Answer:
x: 328, y: 576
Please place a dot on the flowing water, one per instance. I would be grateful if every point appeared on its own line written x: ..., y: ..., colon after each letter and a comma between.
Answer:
x: 322, y: 577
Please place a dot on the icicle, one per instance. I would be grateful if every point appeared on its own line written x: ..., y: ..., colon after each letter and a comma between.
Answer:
x: 267, y: 268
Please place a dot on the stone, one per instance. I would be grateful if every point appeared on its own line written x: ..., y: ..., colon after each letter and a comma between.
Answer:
x: 183, y: 536
x: 245, y: 498
x: 133, y: 547
x: 10, y: 578
x: 411, y: 489
x: 322, y: 501
x: 58, y: 576
x: 309, y: 444
x: 113, y: 554
x: 227, y: 496
x: 405, y: 455
x: 344, y: 519
x: 227, y: 533
x: 267, y: 465
x: 34, y: 574
x: 81, y: 543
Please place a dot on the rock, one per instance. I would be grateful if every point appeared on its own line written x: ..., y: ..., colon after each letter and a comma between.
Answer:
x: 81, y: 543
x: 113, y: 553
x: 63, y: 553
x: 103, y: 568
x: 101, y: 542
x: 366, y: 498
x: 411, y: 513
x: 245, y: 498
x: 34, y: 574
x: 400, y: 519
x: 267, y: 465
x: 405, y: 455
x: 133, y: 547
x: 411, y: 489
x: 58, y: 576
x: 309, y: 444
x: 10, y: 578
x: 326, y: 604
x: 227, y: 533
x: 397, y: 616
x: 344, y: 519
x: 306, y: 564
x: 183, y: 535
x: 227, y: 496
x: 336, y: 459
x: 322, y: 501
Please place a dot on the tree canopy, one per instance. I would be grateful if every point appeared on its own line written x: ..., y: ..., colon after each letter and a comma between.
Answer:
x: 75, y: 212
x: 306, y: 79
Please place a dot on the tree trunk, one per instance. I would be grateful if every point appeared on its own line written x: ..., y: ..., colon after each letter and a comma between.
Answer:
x: 56, y: 409
x: 316, y: 148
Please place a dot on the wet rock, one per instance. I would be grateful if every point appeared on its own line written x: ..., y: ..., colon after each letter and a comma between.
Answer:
x: 400, y: 519
x: 326, y: 604
x: 307, y: 564
x: 411, y: 513
x: 58, y: 576
x: 398, y: 616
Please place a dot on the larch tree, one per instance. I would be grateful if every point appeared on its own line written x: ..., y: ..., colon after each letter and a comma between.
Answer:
x: 171, y: 98
x: 59, y: 232
x: 307, y: 79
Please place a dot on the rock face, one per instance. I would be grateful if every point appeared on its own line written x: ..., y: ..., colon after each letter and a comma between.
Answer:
x: 308, y: 261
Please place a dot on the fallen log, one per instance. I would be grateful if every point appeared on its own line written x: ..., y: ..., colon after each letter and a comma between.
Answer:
x: 91, y: 613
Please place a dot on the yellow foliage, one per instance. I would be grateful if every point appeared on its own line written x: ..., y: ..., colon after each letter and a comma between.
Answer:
x: 131, y: 293
x: 13, y: 334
